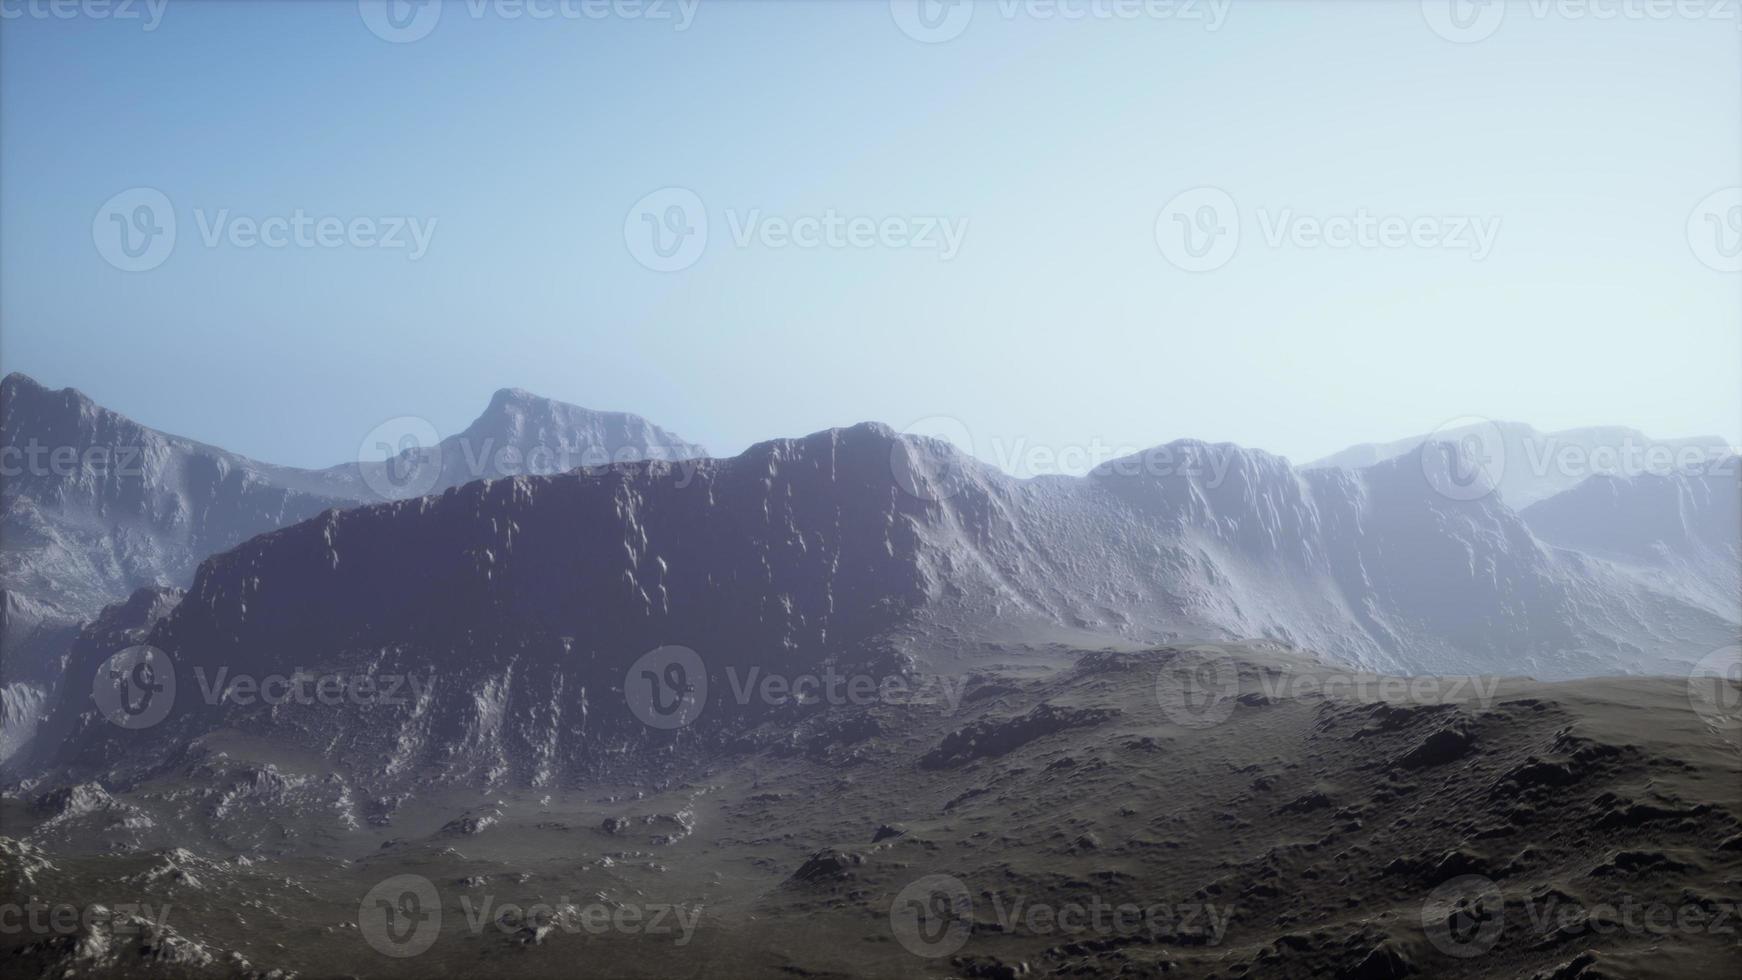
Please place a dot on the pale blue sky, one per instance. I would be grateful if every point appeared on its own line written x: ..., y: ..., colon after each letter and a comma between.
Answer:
x: 1057, y: 322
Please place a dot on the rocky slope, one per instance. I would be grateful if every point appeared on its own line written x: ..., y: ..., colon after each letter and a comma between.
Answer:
x: 1065, y: 812
x: 1680, y: 532
x: 94, y: 506
x: 522, y: 604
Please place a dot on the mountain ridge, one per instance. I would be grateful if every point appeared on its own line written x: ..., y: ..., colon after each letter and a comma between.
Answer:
x: 527, y: 598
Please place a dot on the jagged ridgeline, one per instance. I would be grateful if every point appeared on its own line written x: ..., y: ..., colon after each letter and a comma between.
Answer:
x: 520, y: 605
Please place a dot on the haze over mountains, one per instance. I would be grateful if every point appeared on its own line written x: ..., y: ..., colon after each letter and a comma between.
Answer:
x: 504, y: 647
x: 1527, y: 466
x: 813, y: 548
x: 95, y: 505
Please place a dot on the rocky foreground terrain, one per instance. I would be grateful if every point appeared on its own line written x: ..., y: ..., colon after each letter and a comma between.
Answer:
x: 993, y: 811
x: 859, y: 705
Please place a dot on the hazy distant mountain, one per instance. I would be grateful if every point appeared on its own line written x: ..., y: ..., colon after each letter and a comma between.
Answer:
x: 1534, y: 465
x: 519, y: 434
x: 1682, y: 533
x: 524, y: 602
x: 95, y: 506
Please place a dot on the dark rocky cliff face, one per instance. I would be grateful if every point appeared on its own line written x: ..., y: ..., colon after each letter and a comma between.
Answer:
x: 519, y: 605
x: 94, y: 506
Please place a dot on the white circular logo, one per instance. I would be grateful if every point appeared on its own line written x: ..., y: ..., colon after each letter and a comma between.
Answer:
x: 401, y: 916
x: 135, y: 688
x: 1464, y: 458
x: 400, y: 21
x: 1715, y: 230
x: 667, y: 687
x: 929, y: 459
x: 1715, y: 688
x: 1465, y: 916
x: 933, y: 916
x: 667, y: 230
x: 1197, y: 687
x: 932, y: 21
x: 135, y: 230
x: 401, y: 458
x: 1464, y: 21
x: 1199, y: 230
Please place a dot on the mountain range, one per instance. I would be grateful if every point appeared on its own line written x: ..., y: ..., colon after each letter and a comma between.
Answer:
x: 529, y: 594
x: 608, y: 665
x: 95, y: 505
